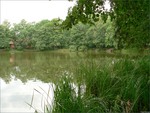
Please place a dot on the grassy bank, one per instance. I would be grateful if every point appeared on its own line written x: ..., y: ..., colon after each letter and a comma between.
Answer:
x: 121, y: 85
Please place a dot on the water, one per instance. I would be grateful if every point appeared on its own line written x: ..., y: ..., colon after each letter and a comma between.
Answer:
x: 23, y: 74
x: 16, y: 96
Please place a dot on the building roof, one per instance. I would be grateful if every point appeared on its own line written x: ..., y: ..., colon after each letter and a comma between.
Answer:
x: 11, y: 42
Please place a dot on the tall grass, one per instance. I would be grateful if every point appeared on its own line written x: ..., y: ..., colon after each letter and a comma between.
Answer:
x: 119, y: 86
x: 66, y: 99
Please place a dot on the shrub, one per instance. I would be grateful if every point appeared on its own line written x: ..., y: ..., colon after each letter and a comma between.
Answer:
x: 82, y: 48
x: 73, y: 48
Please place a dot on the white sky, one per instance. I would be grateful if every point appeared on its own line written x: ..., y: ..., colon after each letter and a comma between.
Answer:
x: 33, y: 11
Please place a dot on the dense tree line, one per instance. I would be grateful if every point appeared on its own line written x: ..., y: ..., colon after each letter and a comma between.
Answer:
x: 49, y: 35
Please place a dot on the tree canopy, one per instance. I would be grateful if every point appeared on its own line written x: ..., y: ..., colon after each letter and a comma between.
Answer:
x: 49, y: 35
x: 131, y: 17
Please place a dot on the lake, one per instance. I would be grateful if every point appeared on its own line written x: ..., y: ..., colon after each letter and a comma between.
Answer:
x: 23, y: 74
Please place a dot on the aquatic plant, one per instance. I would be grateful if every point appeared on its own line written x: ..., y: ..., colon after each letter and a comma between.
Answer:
x: 121, y: 85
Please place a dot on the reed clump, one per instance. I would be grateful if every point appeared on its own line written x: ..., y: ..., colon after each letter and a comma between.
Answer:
x: 122, y: 85
x: 118, y: 86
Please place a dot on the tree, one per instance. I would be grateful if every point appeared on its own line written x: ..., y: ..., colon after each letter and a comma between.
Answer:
x: 23, y: 33
x: 100, y: 35
x: 48, y: 34
x: 109, y: 34
x: 78, y: 34
x: 131, y: 17
x: 5, y: 34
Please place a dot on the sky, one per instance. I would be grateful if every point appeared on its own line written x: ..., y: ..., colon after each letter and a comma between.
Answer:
x: 33, y: 11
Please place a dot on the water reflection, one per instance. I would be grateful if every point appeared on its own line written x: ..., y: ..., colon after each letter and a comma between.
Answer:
x: 44, y: 66
x: 16, y: 95
x: 12, y: 58
x: 22, y: 72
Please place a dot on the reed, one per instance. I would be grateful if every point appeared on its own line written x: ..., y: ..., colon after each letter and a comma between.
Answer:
x: 119, y: 86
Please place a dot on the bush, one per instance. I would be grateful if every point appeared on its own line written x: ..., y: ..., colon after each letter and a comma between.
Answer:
x: 82, y: 48
x: 19, y: 47
x: 73, y: 48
